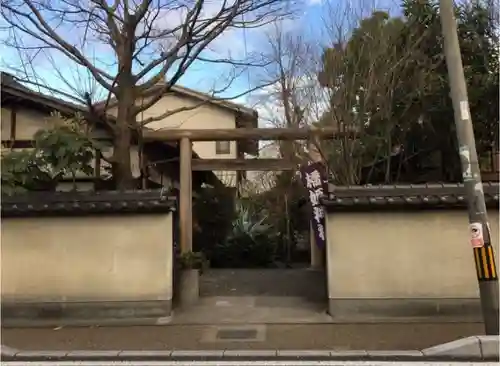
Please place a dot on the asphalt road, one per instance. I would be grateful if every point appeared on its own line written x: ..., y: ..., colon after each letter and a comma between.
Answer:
x: 393, y: 336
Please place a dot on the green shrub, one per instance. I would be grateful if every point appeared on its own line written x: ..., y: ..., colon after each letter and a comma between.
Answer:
x: 250, y: 243
x: 214, y: 211
x: 58, y: 152
x: 191, y: 260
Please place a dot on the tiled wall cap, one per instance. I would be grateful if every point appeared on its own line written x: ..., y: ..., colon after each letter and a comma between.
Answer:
x: 412, y: 196
x: 85, y: 202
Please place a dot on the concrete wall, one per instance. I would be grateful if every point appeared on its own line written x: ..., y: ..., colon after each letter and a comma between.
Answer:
x: 89, y: 267
x: 400, y: 264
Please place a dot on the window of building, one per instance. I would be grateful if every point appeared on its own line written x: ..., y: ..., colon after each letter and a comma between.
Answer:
x: 222, y: 147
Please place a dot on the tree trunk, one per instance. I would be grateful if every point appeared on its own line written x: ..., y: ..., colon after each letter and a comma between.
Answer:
x: 122, y: 171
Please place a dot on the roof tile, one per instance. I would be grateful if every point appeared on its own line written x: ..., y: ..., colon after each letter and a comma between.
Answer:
x: 419, y: 196
x: 84, y: 203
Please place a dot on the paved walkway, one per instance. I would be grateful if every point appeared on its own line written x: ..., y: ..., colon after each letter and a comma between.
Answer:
x: 269, y: 282
x: 258, y: 296
x: 396, y: 336
x: 253, y: 310
x: 248, y: 309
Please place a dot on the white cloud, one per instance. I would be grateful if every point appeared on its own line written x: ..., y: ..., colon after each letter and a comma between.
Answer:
x: 232, y: 43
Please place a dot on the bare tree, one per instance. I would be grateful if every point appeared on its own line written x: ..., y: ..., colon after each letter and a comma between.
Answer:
x: 291, y: 100
x: 127, y: 47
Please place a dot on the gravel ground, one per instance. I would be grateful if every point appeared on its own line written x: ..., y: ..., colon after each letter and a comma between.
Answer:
x: 392, y: 336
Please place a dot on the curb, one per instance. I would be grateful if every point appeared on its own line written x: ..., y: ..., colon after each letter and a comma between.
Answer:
x: 480, y: 348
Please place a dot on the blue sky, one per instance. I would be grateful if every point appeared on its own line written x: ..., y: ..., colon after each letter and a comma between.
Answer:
x: 308, y: 23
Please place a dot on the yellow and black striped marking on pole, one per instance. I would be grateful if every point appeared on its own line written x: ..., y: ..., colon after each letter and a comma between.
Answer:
x: 485, y: 263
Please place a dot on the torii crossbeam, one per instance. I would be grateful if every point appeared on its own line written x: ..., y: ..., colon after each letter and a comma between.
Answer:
x: 185, y: 138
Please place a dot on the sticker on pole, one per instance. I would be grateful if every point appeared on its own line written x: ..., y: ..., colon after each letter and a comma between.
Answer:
x: 464, y: 110
x: 476, y: 235
x: 464, y: 152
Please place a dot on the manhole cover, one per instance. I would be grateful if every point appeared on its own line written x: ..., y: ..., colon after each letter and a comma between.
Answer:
x: 238, y: 334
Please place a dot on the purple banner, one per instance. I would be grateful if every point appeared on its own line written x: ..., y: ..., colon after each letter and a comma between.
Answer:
x: 314, y: 178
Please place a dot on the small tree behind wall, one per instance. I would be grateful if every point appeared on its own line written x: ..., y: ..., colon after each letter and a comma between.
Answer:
x: 62, y: 151
x: 214, y: 212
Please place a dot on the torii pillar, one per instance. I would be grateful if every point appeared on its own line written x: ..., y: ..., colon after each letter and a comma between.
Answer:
x: 317, y: 254
x: 186, y: 196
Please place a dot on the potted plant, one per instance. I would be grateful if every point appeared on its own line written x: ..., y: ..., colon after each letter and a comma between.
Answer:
x: 190, y: 264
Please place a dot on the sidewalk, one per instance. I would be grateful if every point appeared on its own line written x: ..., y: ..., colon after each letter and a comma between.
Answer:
x: 342, y: 337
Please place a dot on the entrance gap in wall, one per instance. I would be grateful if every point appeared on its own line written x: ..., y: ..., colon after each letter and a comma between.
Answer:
x: 258, y: 243
x: 260, y: 264
x: 257, y: 247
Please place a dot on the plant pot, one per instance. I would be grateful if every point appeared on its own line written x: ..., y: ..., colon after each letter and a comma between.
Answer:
x: 189, y: 287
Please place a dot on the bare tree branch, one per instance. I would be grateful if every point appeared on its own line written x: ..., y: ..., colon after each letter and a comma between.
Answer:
x: 127, y: 48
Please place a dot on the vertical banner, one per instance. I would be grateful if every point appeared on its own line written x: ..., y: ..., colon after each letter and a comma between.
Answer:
x: 314, y: 178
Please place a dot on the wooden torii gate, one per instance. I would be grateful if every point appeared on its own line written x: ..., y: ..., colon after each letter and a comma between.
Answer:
x: 188, y: 164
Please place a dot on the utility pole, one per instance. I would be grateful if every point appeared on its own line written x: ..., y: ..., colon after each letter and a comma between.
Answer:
x: 478, y: 217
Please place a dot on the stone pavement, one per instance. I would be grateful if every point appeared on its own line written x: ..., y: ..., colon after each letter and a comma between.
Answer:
x: 343, y: 337
x: 253, y: 310
x: 266, y: 282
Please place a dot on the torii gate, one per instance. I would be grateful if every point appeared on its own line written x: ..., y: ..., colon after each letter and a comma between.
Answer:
x: 188, y: 164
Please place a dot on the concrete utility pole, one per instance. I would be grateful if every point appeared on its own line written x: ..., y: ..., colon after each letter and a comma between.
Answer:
x: 478, y: 217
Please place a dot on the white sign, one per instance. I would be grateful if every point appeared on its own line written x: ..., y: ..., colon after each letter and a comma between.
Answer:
x: 464, y: 110
x: 476, y: 235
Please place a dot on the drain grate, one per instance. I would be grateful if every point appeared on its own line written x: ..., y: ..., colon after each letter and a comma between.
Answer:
x: 237, y: 334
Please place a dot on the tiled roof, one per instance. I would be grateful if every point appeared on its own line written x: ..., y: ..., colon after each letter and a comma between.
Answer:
x: 419, y: 196
x: 84, y: 203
